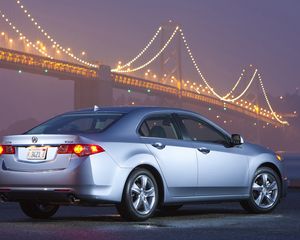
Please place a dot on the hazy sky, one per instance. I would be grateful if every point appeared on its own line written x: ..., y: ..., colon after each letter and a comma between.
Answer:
x: 225, y: 36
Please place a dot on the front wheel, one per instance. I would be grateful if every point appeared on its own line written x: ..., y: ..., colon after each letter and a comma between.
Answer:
x: 265, y: 192
x: 38, y: 210
x: 140, y: 196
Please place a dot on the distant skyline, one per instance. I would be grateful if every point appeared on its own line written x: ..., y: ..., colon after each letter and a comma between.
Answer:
x: 225, y: 36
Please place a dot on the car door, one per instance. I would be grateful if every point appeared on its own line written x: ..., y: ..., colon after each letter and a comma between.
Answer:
x: 222, y: 168
x: 176, y: 158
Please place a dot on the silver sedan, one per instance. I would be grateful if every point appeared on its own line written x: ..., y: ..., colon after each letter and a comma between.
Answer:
x: 141, y: 159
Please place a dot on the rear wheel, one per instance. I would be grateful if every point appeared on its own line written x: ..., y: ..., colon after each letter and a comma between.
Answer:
x: 140, y: 196
x: 265, y: 192
x: 38, y: 210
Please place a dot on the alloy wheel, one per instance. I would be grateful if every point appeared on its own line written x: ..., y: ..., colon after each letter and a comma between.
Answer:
x: 265, y: 190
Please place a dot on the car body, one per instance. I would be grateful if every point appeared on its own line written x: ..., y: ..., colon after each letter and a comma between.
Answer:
x: 139, y: 158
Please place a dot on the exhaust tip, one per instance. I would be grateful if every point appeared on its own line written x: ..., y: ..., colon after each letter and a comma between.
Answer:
x: 73, y: 199
x: 3, y: 198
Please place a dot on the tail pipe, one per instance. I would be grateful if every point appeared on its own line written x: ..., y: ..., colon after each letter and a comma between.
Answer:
x: 73, y: 199
x: 3, y: 198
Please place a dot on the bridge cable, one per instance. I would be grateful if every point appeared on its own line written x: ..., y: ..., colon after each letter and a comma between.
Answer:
x: 268, y: 102
x: 50, y: 38
x: 152, y: 59
x: 141, y: 52
x: 23, y: 36
x: 243, y: 92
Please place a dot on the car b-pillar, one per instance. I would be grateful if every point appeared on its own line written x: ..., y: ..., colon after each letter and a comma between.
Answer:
x: 97, y: 91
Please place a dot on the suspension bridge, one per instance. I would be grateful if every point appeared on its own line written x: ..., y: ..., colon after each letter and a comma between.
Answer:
x: 95, y: 83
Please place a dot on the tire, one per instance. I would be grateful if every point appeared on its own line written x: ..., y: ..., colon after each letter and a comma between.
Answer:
x: 265, y: 192
x: 38, y: 210
x: 140, y: 196
x: 170, y: 208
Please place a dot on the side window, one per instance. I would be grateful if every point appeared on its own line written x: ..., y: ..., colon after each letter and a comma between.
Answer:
x: 200, y: 131
x: 159, y: 127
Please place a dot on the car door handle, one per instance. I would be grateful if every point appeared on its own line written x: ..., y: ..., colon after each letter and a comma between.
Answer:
x: 158, y: 145
x: 203, y: 150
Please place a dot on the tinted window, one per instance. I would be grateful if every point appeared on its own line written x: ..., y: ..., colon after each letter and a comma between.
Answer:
x: 76, y: 123
x: 160, y: 127
x: 200, y: 131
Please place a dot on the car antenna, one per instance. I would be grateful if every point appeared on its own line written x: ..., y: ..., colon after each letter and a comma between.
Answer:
x: 96, y: 108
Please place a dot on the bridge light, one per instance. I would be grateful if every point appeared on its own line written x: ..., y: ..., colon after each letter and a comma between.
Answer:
x: 3, y: 33
x: 20, y: 71
x: 46, y: 70
x: 132, y: 103
x: 69, y: 49
x: 148, y: 90
x: 129, y: 90
x: 10, y: 40
x: 209, y: 109
x: 83, y: 53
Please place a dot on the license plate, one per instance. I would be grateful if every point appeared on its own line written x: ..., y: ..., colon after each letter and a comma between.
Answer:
x: 37, y: 153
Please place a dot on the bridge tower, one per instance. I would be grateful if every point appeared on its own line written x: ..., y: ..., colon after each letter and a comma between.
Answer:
x: 170, y: 61
x: 98, y: 91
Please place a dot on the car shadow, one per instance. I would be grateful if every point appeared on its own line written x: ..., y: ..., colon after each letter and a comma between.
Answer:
x: 186, y: 212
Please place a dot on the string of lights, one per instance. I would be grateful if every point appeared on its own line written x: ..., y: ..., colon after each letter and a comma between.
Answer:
x: 152, y: 59
x: 235, y: 85
x: 22, y: 36
x: 141, y: 52
x: 243, y: 92
x: 49, y: 37
x: 224, y: 98
x: 277, y: 117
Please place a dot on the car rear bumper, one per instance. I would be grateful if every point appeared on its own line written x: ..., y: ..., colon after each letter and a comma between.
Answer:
x: 96, y: 178
x: 54, y: 196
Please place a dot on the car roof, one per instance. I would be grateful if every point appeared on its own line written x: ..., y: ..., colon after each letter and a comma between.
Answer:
x: 125, y: 109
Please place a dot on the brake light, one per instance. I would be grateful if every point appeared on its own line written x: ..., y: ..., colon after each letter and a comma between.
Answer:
x: 81, y: 150
x: 7, y: 149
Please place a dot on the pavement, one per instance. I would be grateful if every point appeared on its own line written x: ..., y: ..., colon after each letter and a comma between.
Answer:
x: 204, y: 221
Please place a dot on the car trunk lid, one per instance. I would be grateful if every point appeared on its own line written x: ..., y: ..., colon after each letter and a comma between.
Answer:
x: 37, y: 152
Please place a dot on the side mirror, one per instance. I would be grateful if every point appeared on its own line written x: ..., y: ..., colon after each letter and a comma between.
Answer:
x: 236, y: 139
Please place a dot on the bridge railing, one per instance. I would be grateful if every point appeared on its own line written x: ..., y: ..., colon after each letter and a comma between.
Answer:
x: 33, y: 61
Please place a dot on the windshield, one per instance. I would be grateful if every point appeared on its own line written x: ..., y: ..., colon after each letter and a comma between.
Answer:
x: 76, y: 124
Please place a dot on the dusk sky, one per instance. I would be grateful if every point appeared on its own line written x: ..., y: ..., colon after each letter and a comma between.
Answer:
x: 224, y: 35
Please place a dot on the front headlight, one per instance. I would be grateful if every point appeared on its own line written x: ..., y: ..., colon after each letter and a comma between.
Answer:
x: 279, y: 158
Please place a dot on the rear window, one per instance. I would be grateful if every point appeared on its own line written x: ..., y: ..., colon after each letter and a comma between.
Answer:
x: 76, y: 124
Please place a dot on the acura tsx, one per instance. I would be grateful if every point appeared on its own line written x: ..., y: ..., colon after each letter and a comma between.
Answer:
x: 141, y: 159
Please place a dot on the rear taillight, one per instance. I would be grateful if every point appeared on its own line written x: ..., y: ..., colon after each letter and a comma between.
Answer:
x: 7, y: 149
x: 80, y: 150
